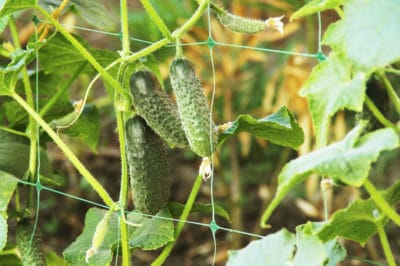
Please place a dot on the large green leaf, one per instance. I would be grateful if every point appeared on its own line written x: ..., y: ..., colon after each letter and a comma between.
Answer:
x: 333, y: 85
x: 3, y: 23
x: 359, y: 221
x: 285, y: 248
x: 347, y: 161
x: 280, y: 128
x: 315, y: 6
x: 154, y: 233
x: 7, y: 186
x: 75, y: 254
x: 87, y: 127
x: 14, y: 156
x: 368, y: 32
x: 8, y: 7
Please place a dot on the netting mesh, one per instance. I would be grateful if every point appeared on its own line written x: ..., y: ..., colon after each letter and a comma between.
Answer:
x: 211, y: 43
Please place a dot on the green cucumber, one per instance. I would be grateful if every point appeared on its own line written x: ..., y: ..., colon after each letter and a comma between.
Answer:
x: 31, y: 253
x: 154, y: 105
x: 148, y: 166
x: 241, y: 24
x: 192, y: 107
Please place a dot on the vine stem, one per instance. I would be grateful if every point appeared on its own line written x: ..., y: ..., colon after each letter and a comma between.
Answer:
x: 106, y: 76
x: 31, y: 128
x: 385, y: 243
x: 124, y: 28
x: 67, y: 151
x: 185, y: 213
x: 175, y: 35
x: 378, y: 115
x: 381, y: 202
x: 157, y: 19
x: 123, y: 194
x: 391, y: 92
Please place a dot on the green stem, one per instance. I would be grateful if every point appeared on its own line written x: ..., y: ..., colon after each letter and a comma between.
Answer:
x: 67, y: 151
x: 339, y: 11
x: 61, y: 91
x: 123, y: 194
x: 391, y: 92
x: 385, y: 243
x: 378, y: 115
x: 157, y: 19
x: 31, y: 128
x: 186, y: 211
x: 381, y: 202
x: 176, y: 34
x: 106, y: 76
x: 125, y: 28
x: 392, y: 70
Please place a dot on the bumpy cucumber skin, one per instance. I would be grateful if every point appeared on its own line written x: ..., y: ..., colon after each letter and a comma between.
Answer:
x: 154, y: 105
x: 31, y: 253
x: 148, y: 166
x: 241, y: 24
x: 192, y: 106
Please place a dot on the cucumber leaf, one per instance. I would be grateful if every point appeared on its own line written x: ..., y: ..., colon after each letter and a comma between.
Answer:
x: 377, y: 36
x: 347, y: 161
x: 154, y: 233
x: 358, y: 221
x: 283, y: 248
x: 86, y: 128
x: 8, y: 7
x: 7, y: 186
x: 75, y: 254
x: 333, y: 85
x: 279, y: 128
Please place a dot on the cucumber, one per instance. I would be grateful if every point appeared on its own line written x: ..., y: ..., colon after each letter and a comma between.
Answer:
x: 31, y: 253
x: 154, y: 105
x: 148, y: 166
x: 192, y: 107
x: 241, y: 24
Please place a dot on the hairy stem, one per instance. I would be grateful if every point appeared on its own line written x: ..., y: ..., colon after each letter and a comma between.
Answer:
x: 124, y: 28
x: 385, y: 243
x: 176, y: 34
x: 378, y: 115
x: 186, y: 211
x: 157, y: 19
x: 381, y: 202
x: 391, y: 91
x: 67, y: 151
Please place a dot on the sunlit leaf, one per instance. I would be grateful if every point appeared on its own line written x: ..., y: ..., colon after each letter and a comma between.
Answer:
x: 368, y: 32
x: 347, y: 161
x: 280, y: 128
x: 7, y: 186
x: 358, y: 222
x: 333, y: 85
x: 8, y: 7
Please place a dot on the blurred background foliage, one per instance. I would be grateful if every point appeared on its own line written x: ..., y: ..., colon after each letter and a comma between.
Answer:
x: 247, y: 81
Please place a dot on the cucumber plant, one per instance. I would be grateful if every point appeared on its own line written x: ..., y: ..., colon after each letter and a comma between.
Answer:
x: 35, y: 95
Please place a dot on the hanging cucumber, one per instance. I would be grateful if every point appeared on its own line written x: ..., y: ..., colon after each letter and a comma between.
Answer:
x: 193, y: 108
x: 31, y: 252
x: 154, y: 105
x: 148, y: 166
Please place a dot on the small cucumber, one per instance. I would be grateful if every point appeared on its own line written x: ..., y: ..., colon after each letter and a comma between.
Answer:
x: 148, y: 166
x: 193, y: 108
x: 31, y: 253
x: 241, y: 24
x: 154, y: 105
